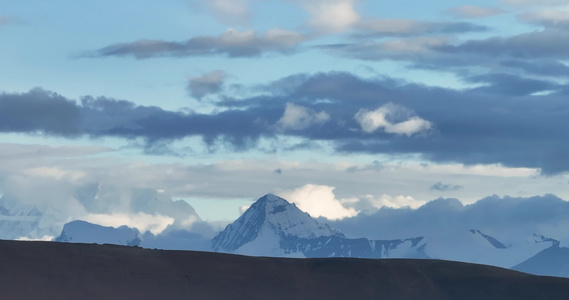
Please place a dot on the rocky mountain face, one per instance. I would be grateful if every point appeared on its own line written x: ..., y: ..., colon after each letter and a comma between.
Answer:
x: 274, y: 227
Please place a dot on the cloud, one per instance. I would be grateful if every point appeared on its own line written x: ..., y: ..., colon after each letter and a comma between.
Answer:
x: 535, y: 2
x: 441, y: 187
x: 509, y: 219
x: 331, y: 16
x: 547, y: 18
x: 392, y: 119
x: 232, y: 43
x: 370, y: 203
x: 547, y: 43
x: 141, y: 221
x: 3, y: 20
x: 424, y: 45
x: 511, y: 85
x: 523, y: 119
x: 38, y: 111
x: 407, y: 27
x: 230, y: 11
x: 544, y: 67
x: 209, y: 83
x: 318, y: 201
x: 296, y: 117
x: 470, y: 11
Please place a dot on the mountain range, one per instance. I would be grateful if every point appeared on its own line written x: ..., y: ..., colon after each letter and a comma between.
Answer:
x: 274, y: 227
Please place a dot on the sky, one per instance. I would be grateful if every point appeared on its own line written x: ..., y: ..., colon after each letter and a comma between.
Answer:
x: 340, y: 106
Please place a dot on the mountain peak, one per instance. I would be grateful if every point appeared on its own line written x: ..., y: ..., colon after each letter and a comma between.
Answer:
x: 269, y: 215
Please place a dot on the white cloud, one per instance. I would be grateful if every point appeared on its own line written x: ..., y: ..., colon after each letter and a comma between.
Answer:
x: 141, y: 221
x: 45, y: 238
x: 331, y: 16
x: 230, y: 11
x: 298, y: 117
x: 243, y: 208
x: 393, y: 201
x: 551, y: 17
x: 318, y: 201
x: 405, y: 123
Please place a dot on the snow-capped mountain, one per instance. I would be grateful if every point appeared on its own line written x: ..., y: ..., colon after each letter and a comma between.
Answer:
x: 265, y: 225
x: 22, y: 221
x: 475, y: 246
x: 171, y: 239
x: 274, y: 227
x: 553, y: 261
x: 84, y: 232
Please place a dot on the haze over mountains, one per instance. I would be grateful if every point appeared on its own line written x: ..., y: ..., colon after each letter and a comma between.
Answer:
x: 521, y: 233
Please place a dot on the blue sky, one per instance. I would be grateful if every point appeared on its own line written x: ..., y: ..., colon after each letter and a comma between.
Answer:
x: 359, y: 104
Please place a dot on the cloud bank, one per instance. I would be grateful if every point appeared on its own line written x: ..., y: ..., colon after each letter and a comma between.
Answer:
x: 521, y: 127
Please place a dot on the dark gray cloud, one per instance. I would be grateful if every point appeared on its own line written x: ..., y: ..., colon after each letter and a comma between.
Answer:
x: 232, y: 43
x: 511, y: 85
x: 503, y: 122
x: 539, y: 67
x: 442, y: 187
x: 38, y: 111
x: 209, y: 83
x: 44, y: 112
x: 502, y: 217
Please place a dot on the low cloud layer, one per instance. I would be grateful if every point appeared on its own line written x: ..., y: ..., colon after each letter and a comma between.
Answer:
x: 508, y: 219
x: 443, y: 187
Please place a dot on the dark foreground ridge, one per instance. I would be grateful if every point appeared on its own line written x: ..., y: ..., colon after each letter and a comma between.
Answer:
x: 46, y: 270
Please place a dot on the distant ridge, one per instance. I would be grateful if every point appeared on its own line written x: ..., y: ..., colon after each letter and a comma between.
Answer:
x: 49, y: 270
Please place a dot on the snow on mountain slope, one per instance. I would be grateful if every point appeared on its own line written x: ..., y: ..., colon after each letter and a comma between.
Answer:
x: 274, y: 227
x: 170, y: 239
x: 553, y: 261
x: 269, y: 219
x: 474, y: 246
x: 84, y: 232
x: 21, y: 221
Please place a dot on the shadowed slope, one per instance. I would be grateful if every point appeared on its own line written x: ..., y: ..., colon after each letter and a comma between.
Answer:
x: 44, y: 270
